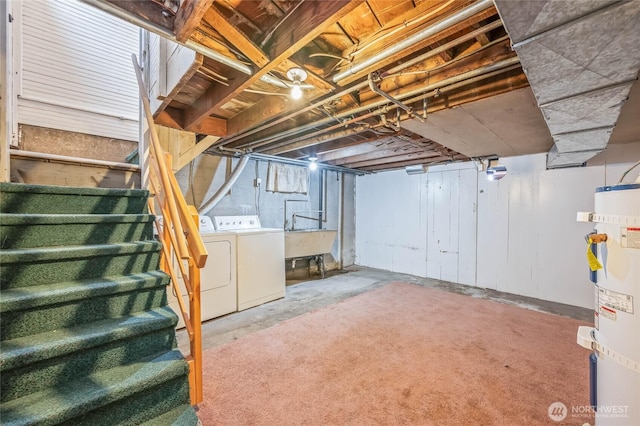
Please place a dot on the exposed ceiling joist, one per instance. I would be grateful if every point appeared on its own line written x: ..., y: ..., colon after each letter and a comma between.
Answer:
x: 310, y: 18
x: 189, y: 16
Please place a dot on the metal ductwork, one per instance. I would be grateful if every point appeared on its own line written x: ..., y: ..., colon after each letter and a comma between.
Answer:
x: 581, y: 59
x: 219, y: 195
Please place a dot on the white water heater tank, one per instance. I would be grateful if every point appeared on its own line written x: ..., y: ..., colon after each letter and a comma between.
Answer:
x: 616, y: 335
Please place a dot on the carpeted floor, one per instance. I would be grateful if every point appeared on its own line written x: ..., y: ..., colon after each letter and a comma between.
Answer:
x: 401, y: 354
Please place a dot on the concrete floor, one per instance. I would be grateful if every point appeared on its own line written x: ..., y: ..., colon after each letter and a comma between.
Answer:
x: 306, y: 296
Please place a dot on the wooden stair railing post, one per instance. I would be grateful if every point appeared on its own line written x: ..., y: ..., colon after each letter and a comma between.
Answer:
x: 195, y: 314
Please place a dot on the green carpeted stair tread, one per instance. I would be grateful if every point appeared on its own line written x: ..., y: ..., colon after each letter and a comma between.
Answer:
x: 38, y: 347
x: 55, y: 371
x: 17, y: 324
x: 141, y: 407
x: 66, y: 219
x: 42, y: 230
x: 183, y: 415
x: 47, y: 254
x: 64, y: 292
x: 39, y: 266
x: 27, y: 198
x: 77, y: 398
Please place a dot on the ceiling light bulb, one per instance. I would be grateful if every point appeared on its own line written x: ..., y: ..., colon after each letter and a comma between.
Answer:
x: 296, y: 91
x: 297, y: 76
x: 313, y: 165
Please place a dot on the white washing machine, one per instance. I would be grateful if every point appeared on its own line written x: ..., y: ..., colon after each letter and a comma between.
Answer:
x: 218, y: 279
x: 260, y: 259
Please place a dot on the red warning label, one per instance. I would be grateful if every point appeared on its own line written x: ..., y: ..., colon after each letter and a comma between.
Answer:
x: 608, y: 313
x: 630, y: 238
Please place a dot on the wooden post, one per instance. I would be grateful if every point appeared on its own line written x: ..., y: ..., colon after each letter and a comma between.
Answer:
x: 196, y: 317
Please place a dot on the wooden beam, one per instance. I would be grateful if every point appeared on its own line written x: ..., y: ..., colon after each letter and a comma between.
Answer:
x: 211, y: 126
x: 349, y: 151
x: 169, y: 117
x: 483, y: 39
x: 172, y: 117
x: 187, y: 156
x: 243, y: 43
x: 411, y: 156
x: 332, y: 146
x: 401, y: 164
x: 260, y: 112
x: 317, y: 140
x: 188, y: 17
x: 382, y: 153
x: 148, y: 10
x: 307, y: 22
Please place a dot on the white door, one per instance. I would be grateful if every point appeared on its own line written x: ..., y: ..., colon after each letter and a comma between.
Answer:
x: 451, y: 225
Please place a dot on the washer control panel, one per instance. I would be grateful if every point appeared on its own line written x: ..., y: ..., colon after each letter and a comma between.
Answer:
x: 206, y: 225
x: 231, y: 223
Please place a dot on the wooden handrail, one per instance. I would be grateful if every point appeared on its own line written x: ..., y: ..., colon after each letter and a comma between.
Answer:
x: 157, y: 152
x: 179, y: 235
x: 196, y: 246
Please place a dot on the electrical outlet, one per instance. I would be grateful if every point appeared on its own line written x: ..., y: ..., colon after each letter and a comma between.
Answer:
x: 257, y: 182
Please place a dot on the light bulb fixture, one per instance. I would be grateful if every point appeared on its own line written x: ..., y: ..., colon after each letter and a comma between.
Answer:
x: 495, y: 171
x: 297, y: 76
x: 313, y: 163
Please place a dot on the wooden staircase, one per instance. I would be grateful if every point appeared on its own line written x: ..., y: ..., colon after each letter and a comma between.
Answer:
x: 86, y: 335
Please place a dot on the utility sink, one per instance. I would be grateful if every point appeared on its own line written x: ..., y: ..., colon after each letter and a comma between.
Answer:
x: 310, y: 242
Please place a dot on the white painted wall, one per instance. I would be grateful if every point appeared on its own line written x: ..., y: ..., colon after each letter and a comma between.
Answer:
x: 528, y: 240
x: 451, y: 224
x: 73, y: 69
x: 391, y: 222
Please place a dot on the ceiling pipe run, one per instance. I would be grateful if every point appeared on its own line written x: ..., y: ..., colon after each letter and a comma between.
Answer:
x: 458, y: 80
x: 373, y: 77
x: 469, y: 36
x: 287, y: 147
x: 415, y: 38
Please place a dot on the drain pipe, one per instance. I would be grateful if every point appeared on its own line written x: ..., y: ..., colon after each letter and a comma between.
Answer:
x: 213, y: 201
x: 415, y: 38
